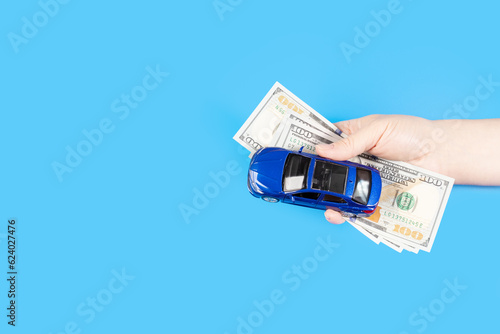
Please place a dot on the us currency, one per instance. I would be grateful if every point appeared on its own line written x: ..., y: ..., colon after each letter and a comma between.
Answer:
x: 258, y: 130
x: 262, y: 124
x: 411, y: 205
x: 294, y: 134
x: 372, y: 235
x: 280, y: 104
x: 412, y: 200
x: 404, y: 246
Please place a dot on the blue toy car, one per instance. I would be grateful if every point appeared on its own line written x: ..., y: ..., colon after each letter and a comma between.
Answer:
x: 276, y: 174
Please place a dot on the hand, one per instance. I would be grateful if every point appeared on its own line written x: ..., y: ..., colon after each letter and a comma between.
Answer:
x: 457, y: 148
x: 391, y: 137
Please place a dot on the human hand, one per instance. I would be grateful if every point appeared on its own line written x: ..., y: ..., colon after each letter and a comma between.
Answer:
x: 393, y: 137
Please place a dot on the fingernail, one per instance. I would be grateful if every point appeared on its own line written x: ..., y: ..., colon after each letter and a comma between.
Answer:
x: 329, y: 216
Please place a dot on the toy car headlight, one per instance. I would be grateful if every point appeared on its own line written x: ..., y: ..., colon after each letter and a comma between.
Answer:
x: 252, y: 179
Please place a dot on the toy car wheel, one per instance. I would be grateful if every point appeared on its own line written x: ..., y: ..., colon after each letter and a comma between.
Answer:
x: 270, y: 199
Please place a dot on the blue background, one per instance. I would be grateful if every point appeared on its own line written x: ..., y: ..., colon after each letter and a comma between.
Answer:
x: 119, y: 209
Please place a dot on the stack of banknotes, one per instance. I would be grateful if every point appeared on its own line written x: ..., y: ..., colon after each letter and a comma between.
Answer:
x: 412, y: 201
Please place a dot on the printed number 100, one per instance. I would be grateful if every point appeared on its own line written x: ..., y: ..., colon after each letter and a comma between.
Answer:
x: 407, y: 232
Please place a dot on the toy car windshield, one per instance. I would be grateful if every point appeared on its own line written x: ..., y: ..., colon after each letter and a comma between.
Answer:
x: 295, y: 172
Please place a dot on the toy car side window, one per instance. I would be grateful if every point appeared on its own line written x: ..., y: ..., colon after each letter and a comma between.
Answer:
x: 309, y: 195
x: 333, y: 199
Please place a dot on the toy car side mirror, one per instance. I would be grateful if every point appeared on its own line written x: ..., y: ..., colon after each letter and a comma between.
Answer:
x: 300, y: 150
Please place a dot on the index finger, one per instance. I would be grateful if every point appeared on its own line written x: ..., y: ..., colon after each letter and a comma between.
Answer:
x: 354, y: 125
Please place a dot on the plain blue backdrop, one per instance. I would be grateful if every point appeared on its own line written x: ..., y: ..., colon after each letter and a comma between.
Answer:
x: 107, y: 249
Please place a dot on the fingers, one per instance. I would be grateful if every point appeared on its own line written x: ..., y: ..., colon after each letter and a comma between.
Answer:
x: 348, y: 127
x: 334, y: 217
x: 347, y: 148
x: 363, y: 134
x: 354, y: 125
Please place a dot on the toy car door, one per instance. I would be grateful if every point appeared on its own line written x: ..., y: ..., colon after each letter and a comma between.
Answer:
x: 328, y: 201
x: 304, y: 198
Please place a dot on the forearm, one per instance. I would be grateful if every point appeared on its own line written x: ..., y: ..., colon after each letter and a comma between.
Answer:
x: 469, y: 150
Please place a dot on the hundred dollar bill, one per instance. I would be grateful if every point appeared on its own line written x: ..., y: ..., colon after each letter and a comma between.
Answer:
x: 412, y: 200
x: 372, y: 235
x: 258, y: 130
x: 294, y: 134
x: 403, y: 245
x: 411, y: 205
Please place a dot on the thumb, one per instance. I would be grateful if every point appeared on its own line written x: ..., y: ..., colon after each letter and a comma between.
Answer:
x: 347, y: 148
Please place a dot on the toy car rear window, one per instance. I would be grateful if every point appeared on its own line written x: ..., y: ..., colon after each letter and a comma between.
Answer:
x: 329, y: 176
x: 295, y: 172
x: 363, y: 186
